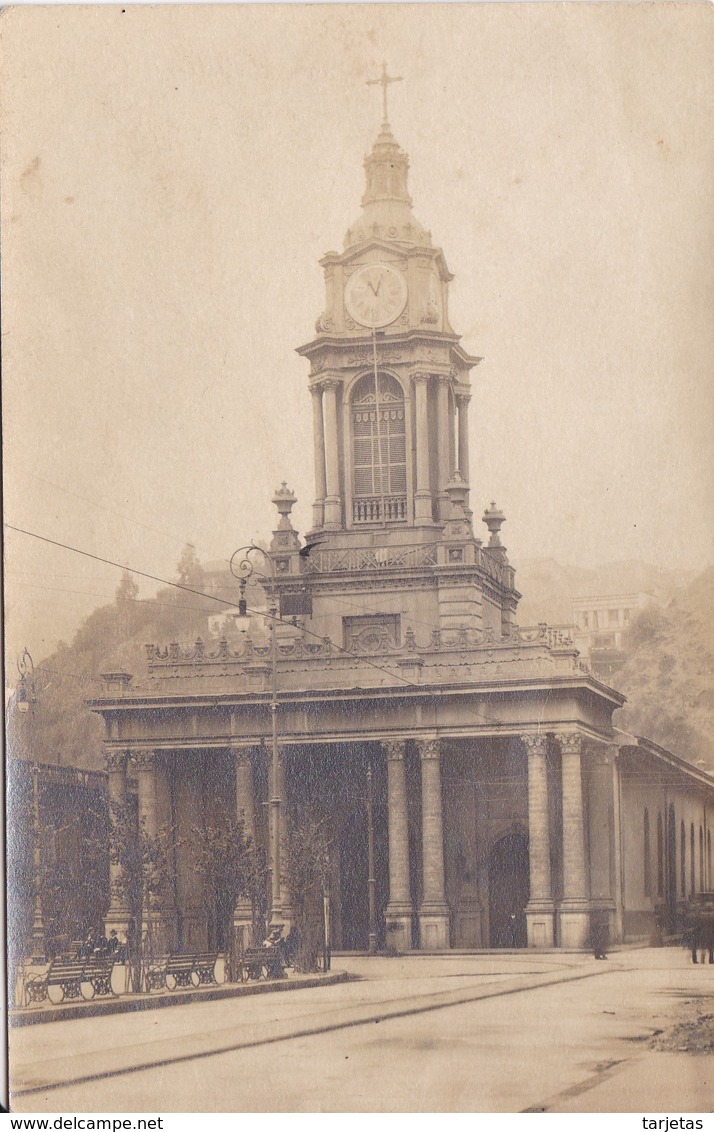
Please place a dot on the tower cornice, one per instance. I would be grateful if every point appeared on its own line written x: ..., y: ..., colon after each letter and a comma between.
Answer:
x: 388, y: 247
x: 341, y: 344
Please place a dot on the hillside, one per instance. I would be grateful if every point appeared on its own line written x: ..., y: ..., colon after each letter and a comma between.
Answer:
x: 668, y: 674
x: 549, y: 588
x: 666, y: 678
x: 59, y: 728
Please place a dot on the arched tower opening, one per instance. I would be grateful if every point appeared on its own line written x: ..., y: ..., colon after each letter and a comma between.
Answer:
x: 379, y: 456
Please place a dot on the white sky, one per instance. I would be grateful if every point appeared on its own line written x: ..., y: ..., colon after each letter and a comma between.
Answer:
x: 171, y: 177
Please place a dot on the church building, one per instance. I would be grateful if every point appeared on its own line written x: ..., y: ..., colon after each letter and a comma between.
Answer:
x: 505, y: 808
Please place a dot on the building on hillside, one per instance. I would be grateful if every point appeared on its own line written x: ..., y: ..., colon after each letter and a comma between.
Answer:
x: 600, y: 628
x: 506, y: 809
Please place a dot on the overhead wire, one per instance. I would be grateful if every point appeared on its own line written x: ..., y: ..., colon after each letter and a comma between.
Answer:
x: 194, y: 546
x: 223, y: 601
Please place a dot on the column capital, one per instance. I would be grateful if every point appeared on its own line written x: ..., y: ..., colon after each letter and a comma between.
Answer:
x: 571, y: 742
x: 429, y: 748
x: 607, y: 749
x: 242, y: 755
x: 421, y: 377
x: 445, y: 379
x: 328, y: 383
x: 145, y: 760
x: 535, y: 744
x: 114, y: 760
x: 316, y: 388
x: 462, y: 399
x: 395, y: 749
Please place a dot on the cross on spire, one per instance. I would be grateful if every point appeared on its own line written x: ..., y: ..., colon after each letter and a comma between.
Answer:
x: 384, y: 82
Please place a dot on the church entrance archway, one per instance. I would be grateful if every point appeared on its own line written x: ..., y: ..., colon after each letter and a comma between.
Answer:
x: 508, y: 891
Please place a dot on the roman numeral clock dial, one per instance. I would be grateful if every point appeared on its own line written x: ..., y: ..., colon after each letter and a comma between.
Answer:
x: 376, y: 295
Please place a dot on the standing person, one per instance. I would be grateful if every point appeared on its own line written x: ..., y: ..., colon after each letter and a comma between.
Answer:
x: 291, y: 945
x: 599, y: 934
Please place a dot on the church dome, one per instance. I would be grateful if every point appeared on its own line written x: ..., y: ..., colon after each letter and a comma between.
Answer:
x: 386, y: 204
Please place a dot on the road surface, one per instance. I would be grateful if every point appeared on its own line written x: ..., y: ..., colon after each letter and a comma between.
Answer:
x: 455, y: 1033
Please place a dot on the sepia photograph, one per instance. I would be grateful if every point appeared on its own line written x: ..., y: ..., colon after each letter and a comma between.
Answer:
x: 358, y: 393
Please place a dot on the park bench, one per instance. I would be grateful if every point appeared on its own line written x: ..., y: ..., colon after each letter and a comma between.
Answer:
x: 262, y: 963
x: 173, y: 971
x: 71, y: 979
x: 155, y: 973
x: 204, y: 967
x: 97, y: 976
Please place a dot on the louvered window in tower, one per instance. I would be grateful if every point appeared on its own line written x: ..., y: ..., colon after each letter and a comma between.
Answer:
x: 379, y: 452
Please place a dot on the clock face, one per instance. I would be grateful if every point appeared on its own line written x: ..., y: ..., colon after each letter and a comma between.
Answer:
x: 376, y: 294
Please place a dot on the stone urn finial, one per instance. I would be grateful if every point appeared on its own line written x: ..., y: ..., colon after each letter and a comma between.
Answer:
x: 457, y: 489
x: 284, y: 499
x: 494, y: 520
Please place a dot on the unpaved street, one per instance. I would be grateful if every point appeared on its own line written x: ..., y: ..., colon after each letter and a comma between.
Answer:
x: 454, y: 1033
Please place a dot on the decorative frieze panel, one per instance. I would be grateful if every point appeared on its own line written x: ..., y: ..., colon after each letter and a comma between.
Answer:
x: 546, y: 642
x: 370, y: 558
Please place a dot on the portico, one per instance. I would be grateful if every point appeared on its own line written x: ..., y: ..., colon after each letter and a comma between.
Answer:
x: 456, y: 772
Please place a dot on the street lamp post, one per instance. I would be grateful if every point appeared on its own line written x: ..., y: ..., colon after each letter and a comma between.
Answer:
x: 39, y: 949
x: 243, y: 569
x: 25, y: 701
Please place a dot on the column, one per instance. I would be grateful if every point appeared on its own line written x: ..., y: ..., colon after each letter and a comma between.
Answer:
x: 146, y: 779
x: 245, y: 791
x: 153, y: 926
x: 462, y: 406
x: 422, y: 496
x: 601, y: 835
x: 618, y: 862
x: 167, y: 832
x: 119, y: 913
x: 434, y: 912
x: 539, y: 911
x: 333, y: 506
x: 188, y: 796
x: 318, y: 432
x: 443, y: 425
x: 245, y: 813
x: 399, y: 908
x: 574, y: 907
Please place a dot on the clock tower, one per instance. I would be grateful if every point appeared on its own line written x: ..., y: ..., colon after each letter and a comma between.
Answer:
x: 390, y: 387
x: 389, y: 380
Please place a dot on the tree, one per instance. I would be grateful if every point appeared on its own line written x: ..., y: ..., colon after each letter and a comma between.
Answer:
x: 308, y: 845
x: 127, y: 590
x: 126, y: 597
x: 228, y: 867
x: 74, y: 860
x: 190, y: 570
x: 145, y: 879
